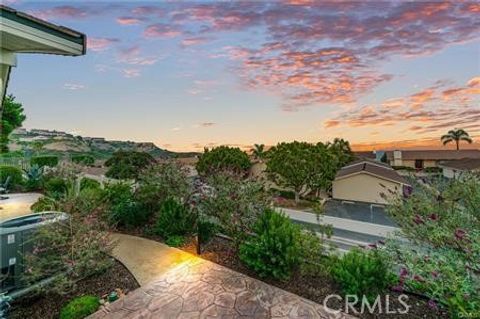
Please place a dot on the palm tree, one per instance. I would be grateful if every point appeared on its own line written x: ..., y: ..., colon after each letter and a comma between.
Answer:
x: 258, y: 151
x: 456, y: 135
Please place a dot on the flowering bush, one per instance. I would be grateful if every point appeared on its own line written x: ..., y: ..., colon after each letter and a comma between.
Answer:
x: 162, y: 181
x: 441, y: 259
x: 234, y: 204
x: 72, y: 249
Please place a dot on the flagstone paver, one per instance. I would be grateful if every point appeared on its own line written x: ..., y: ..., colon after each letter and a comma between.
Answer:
x: 197, y: 288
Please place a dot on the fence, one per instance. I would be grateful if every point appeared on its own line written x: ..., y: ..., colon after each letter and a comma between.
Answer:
x: 19, y: 162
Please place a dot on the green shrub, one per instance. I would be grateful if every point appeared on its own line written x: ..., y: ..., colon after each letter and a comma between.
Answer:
x: 56, y: 186
x: 433, y: 170
x: 83, y: 159
x: 34, y: 177
x: 283, y: 193
x: 223, y: 159
x: 206, y: 230
x: 362, y: 273
x: 174, y: 219
x: 45, y: 160
x: 175, y: 241
x: 15, y: 174
x: 273, y: 251
x: 88, y: 183
x: 127, y: 165
x: 124, y: 209
x: 80, y: 307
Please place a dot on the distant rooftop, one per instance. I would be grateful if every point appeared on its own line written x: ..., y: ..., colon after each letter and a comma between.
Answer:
x: 464, y: 164
x: 372, y: 168
x: 436, y: 154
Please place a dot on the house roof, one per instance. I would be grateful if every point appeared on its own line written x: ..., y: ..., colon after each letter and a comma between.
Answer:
x: 464, y: 164
x: 24, y: 33
x: 437, y: 155
x: 377, y: 169
x: 365, y: 154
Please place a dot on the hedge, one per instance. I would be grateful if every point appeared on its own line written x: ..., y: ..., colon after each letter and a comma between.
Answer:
x: 14, y: 173
x: 45, y: 160
x: 83, y: 159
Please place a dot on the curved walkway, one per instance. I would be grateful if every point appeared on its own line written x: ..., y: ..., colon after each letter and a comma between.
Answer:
x: 185, y: 286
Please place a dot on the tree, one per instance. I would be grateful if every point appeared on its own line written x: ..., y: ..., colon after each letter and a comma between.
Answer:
x: 127, y: 164
x: 258, y: 151
x: 326, y: 160
x: 342, y: 151
x: 291, y: 165
x: 11, y: 119
x: 223, y: 159
x: 456, y: 135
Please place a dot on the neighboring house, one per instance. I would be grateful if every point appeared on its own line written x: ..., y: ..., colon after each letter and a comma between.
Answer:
x: 456, y: 168
x: 23, y: 33
x: 366, y: 181
x: 420, y: 159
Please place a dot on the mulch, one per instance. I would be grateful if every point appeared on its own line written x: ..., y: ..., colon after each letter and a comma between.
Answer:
x: 49, y: 306
x: 315, y: 288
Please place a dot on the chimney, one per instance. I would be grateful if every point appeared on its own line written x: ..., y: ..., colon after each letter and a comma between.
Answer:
x: 397, y: 158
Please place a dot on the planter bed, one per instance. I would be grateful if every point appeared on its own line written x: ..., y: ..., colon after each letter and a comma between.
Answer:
x: 315, y: 288
x: 49, y: 306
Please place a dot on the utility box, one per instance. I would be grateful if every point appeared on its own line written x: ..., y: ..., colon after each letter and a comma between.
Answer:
x: 15, y: 242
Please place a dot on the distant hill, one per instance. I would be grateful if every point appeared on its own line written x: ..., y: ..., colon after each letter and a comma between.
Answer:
x: 57, y: 142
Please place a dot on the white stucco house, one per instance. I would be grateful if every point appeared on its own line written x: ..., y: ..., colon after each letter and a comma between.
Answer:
x: 457, y: 168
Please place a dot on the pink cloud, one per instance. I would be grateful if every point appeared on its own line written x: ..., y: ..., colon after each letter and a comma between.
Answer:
x: 161, y: 30
x: 131, y: 73
x: 296, y: 65
x: 194, y: 41
x: 132, y: 55
x: 424, y: 111
x: 100, y: 44
x: 61, y: 12
x: 128, y: 20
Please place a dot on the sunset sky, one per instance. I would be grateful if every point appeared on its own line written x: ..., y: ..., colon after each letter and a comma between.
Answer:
x: 185, y: 75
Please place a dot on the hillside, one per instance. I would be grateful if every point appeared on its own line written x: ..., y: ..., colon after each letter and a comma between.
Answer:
x: 57, y: 142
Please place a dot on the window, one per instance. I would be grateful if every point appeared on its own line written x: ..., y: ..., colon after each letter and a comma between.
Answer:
x: 418, y: 163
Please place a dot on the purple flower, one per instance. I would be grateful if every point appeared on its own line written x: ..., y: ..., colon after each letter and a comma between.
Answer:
x: 460, y: 234
x: 432, y: 304
x: 434, y: 217
x: 418, y: 219
x: 403, y: 272
x: 374, y: 246
x: 398, y: 288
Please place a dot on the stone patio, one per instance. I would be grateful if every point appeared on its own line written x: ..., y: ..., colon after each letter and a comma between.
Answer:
x: 197, y: 288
